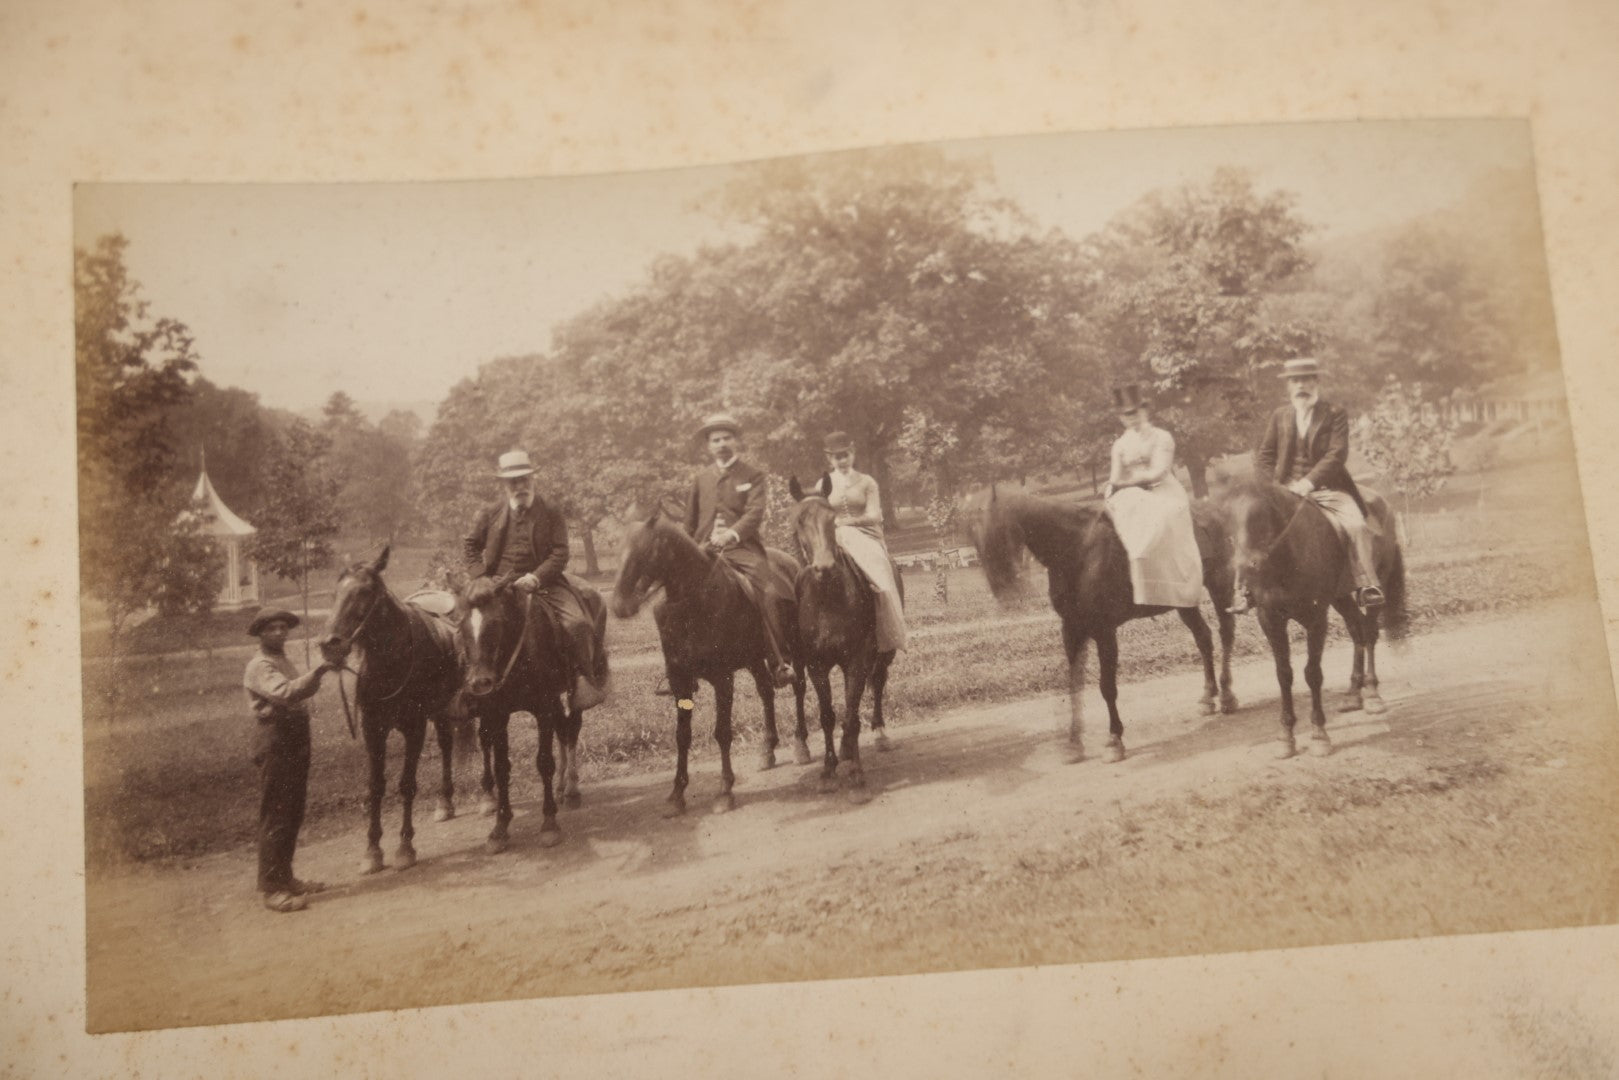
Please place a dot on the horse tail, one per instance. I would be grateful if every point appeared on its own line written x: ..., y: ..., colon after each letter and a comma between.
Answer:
x: 1000, y: 550
x: 1396, y: 618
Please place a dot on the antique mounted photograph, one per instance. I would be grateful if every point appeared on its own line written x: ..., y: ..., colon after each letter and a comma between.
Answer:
x: 924, y: 558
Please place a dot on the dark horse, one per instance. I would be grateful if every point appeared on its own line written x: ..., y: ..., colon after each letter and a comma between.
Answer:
x: 709, y: 630
x: 410, y: 674
x: 1298, y: 568
x: 837, y: 625
x: 514, y: 663
x: 1089, y: 573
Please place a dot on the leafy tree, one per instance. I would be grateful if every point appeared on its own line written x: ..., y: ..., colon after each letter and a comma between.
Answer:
x: 1440, y: 315
x: 131, y: 370
x: 1408, y: 442
x: 1182, y: 290
x: 300, y: 516
x: 232, y: 432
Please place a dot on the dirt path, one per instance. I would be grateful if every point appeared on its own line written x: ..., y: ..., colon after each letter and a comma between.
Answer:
x: 981, y: 849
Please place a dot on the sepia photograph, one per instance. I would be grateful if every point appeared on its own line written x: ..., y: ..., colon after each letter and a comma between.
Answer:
x: 926, y: 558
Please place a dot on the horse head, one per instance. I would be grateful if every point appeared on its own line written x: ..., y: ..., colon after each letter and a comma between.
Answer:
x: 360, y: 589
x: 490, y: 628
x: 814, y: 526
x: 996, y: 531
x: 638, y: 566
x: 1258, y: 515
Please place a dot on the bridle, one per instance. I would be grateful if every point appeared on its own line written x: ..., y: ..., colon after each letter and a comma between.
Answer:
x: 347, y: 643
x: 517, y: 650
x: 1276, y: 541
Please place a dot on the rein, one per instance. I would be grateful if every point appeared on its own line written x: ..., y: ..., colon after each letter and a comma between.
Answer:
x: 522, y: 639
x: 342, y: 691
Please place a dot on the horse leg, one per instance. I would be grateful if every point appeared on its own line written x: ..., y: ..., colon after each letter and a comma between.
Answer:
x: 1369, y: 691
x: 376, y: 752
x: 1193, y: 618
x: 415, y: 738
x: 724, y: 698
x: 486, y: 745
x: 879, y: 680
x: 568, y: 743
x: 1073, y: 640
x: 1107, y: 655
x: 1274, y: 624
x: 682, y: 689
x: 855, y: 675
x: 822, y: 677
x: 801, y: 751
x: 548, y: 716
x: 1228, y: 633
x: 500, y: 738
x: 1357, y: 633
x: 446, y: 782
x: 767, y: 700
x: 1316, y: 640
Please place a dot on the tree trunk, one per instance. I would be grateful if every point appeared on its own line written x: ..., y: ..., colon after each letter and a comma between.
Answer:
x: 305, y: 585
x: 588, y: 538
x: 1197, y: 470
x: 880, y: 473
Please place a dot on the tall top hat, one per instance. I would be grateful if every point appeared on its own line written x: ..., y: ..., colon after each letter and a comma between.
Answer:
x: 514, y: 463
x: 1127, y: 399
x: 1300, y: 367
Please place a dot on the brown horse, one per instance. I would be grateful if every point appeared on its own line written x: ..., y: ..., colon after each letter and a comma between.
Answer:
x: 514, y: 663
x: 709, y: 630
x: 1297, y: 568
x: 1089, y: 574
x: 837, y: 624
x: 410, y: 673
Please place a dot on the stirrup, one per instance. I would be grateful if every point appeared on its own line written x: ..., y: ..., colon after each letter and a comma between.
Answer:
x: 1241, y: 605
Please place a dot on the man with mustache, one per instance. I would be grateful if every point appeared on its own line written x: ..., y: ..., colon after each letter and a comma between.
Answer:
x: 1305, y: 448
x: 523, y: 541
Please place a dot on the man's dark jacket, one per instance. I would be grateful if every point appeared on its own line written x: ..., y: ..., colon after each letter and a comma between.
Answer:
x: 549, y: 532
x: 1324, y: 449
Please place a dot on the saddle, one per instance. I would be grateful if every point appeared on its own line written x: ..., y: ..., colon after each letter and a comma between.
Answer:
x: 438, y: 602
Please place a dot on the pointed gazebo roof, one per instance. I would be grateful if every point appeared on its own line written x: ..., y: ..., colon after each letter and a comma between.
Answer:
x: 218, y: 517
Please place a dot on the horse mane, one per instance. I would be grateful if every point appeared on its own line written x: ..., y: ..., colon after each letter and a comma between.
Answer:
x: 1058, y: 529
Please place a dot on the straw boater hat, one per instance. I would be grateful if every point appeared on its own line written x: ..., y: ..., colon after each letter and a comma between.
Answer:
x: 837, y: 442
x: 267, y: 616
x: 514, y: 463
x: 1127, y: 398
x: 719, y: 422
x: 1304, y: 365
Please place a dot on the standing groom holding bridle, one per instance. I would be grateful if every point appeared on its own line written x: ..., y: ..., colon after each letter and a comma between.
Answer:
x: 1305, y: 448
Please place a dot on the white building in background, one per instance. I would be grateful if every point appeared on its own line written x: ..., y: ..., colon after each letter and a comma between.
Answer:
x: 241, y: 573
x: 1538, y: 397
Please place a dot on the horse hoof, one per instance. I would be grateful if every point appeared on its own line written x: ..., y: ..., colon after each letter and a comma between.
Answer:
x: 767, y: 759
x: 371, y: 862
x: 1208, y: 706
x: 1115, y: 752
x: 550, y: 835
x: 880, y: 741
x: 1074, y: 754
x: 801, y: 753
x: 1285, y: 750
x: 404, y: 858
x: 725, y: 803
x: 858, y: 793
x: 1228, y: 703
x: 828, y: 783
x: 674, y: 808
x: 486, y: 806
x: 495, y: 845
x: 1352, y: 703
x: 1320, y: 746
x: 444, y: 812
x: 1375, y: 704
x: 572, y: 800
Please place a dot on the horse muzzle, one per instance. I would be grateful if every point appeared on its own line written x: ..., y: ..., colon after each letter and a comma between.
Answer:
x: 333, y: 649
x: 480, y: 683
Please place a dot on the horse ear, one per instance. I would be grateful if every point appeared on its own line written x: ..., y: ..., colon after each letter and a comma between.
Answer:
x: 382, y: 559
x: 794, y: 488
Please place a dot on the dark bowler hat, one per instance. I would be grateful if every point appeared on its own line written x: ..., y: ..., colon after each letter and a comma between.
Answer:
x: 1304, y: 365
x: 837, y: 442
x: 719, y: 422
x: 269, y: 615
x: 1127, y: 399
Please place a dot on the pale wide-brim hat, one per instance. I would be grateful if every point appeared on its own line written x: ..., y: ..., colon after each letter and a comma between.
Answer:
x: 514, y: 463
x: 719, y: 422
x: 1302, y: 366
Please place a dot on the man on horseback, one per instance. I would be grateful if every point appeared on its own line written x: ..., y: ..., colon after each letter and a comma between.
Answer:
x: 1305, y: 448
x: 524, y: 541
x: 724, y: 515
